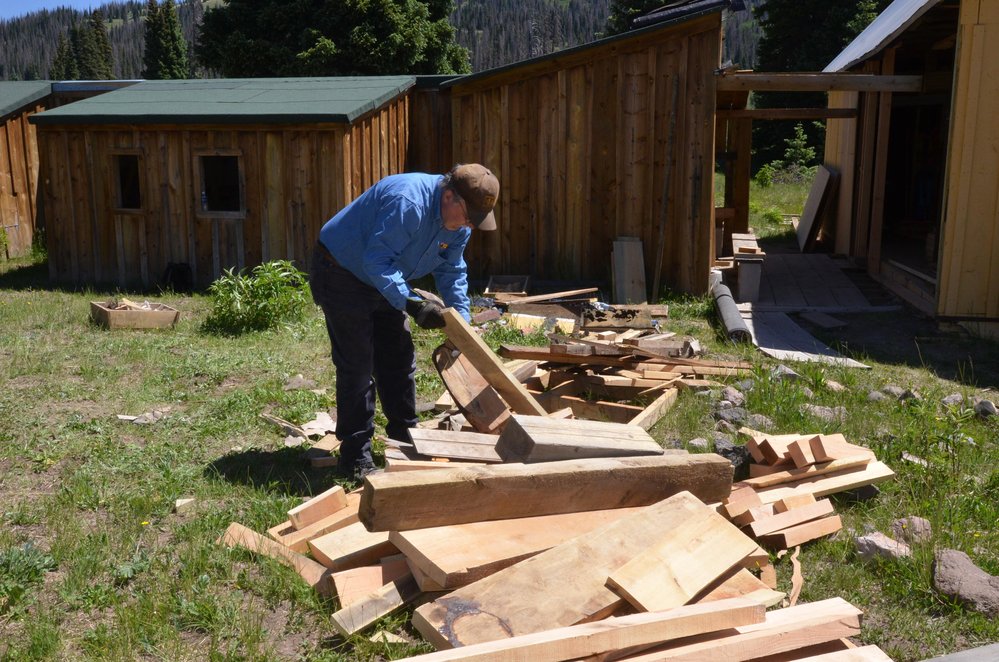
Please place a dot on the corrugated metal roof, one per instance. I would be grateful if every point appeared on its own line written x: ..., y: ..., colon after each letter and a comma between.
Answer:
x: 15, y: 95
x: 692, y: 10
x: 890, y: 23
x: 234, y: 101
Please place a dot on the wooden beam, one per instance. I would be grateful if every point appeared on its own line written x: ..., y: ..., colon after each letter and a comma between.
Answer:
x: 590, y: 639
x: 486, y: 362
x: 817, y: 82
x: 472, y: 446
x: 541, y: 439
x: 787, y: 113
x: 418, y: 499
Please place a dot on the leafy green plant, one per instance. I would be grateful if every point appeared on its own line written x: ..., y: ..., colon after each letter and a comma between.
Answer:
x: 21, y: 570
x: 500, y: 334
x: 273, y: 294
x: 4, y: 243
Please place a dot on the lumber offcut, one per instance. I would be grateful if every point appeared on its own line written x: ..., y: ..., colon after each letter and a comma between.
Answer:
x: 557, y: 588
x: 315, y: 574
x: 399, y: 501
x: 542, y: 439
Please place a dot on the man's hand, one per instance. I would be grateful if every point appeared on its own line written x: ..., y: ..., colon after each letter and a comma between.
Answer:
x: 426, y: 313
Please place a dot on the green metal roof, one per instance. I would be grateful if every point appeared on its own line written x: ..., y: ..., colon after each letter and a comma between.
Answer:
x: 15, y: 95
x: 234, y: 101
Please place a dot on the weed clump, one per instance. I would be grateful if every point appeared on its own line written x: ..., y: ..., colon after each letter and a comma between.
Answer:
x: 273, y: 294
x: 21, y: 570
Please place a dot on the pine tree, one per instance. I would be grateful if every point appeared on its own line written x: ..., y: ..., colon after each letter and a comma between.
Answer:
x: 64, y: 63
x: 166, y: 51
x: 623, y: 12
x: 103, y: 56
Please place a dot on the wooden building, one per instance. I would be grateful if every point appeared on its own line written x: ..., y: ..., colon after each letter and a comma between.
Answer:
x: 19, y: 164
x: 210, y: 174
x: 613, y: 138
x: 919, y: 171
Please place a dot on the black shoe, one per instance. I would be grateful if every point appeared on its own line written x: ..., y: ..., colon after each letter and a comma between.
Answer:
x: 364, y: 469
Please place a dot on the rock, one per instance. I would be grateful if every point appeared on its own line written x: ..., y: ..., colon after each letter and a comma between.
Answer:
x: 707, y: 394
x: 876, y: 396
x: 733, y: 415
x: 724, y: 404
x: 726, y: 427
x: 956, y: 576
x: 834, y: 386
x: 699, y: 443
x: 734, y: 396
x: 878, y: 544
x: 893, y: 390
x: 912, y: 529
x: 808, y: 393
x: 737, y: 455
x: 910, y: 394
x: 298, y: 382
x: 985, y: 408
x: 915, y: 459
x: 759, y: 422
x: 830, y: 414
x: 181, y: 505
x: 672, y: 444
x: 784, y: 374
x: 953, y: 400
x: 745, y: 385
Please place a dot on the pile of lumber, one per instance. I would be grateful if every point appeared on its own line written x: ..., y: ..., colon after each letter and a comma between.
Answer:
x: 781, y: 504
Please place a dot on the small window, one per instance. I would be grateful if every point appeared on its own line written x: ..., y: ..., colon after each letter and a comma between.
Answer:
x: 220, y: 184
x: 129, y: 191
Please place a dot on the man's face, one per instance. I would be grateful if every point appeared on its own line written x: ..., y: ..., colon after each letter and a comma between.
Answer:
x: 453, y: 211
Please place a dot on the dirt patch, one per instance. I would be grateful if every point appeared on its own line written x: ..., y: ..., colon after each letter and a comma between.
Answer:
x: 24, y: 382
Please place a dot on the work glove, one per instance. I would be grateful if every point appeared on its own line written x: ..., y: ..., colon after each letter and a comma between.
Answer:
x: 426, y: 313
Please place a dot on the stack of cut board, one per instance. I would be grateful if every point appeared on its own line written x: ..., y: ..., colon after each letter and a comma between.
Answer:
x: 782, y: 503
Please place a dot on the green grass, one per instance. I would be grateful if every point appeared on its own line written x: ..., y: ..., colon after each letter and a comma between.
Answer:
x: 94, y: 563
x: 770, y: 206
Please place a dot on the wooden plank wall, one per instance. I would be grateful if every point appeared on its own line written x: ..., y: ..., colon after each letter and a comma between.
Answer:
x: 578, y: 143
x: 18, y: 181
x: 295, y: 178
x: 969, y: 263
x: 430, y: 131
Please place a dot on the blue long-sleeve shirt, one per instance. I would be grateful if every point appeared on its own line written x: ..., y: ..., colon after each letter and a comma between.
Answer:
x: 393, y: 232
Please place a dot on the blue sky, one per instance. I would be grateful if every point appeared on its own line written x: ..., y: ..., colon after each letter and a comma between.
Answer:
x: 15, y: 8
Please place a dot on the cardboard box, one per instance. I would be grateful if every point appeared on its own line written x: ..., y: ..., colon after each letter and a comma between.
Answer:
x: 158, y: 316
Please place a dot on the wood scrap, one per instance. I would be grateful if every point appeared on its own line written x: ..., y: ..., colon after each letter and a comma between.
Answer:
x: 472, y: 446
x: 541, y: 439
x: 417, y: 499
x: 797, y: 579
x: 486, y: 362
x: 317, y: 508
x: 357, y: 583
x: 791, y: 517
x: 656, y: 409
x: 317, y: 576
x: 505, y: 298
x: 365, y: 611
x: 742, y: 584
x: 298, y: 539
x: 475, y: 397
x: 351, y: 547
x: 826, y: 484
x: 802, y: 533
x: 791, y: 475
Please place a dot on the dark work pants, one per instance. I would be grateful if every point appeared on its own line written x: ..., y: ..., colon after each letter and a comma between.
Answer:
x: 372, y: 349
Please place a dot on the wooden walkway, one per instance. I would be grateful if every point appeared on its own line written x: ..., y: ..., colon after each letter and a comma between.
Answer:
x: 794, y: 282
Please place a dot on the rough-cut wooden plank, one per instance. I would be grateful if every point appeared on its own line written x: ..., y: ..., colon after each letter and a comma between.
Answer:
x: 784, y: 630
x: 318, y: 507
x: 827, y: 484
x: 473, y: 446
x: 801, y: 452
x: 802, y: 533
x: 682, y: 562
x: 456, y: 555
x: 488, y: 364
x: 365, y: 611
x: 755, y: 438
x: 418, y: 499
x: 792, y: 517
x: 831, y: 447
x: 794, y: 501
x: 401, y: 464
x: 478, y: 401
x: 313, y: 573
x: 740, y: 584
x: 542, y: 439
x: 791, y: 475
x: 562, y: 586
x: 354, y: 584
x: 351, y: 547
x: 585, y: 639
x: 655, y: 410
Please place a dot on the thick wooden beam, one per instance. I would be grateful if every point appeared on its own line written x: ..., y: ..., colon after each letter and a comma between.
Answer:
x: 399, y: 501
x: 541, y: 439
x: 486, y: 362
x: 817, y: 82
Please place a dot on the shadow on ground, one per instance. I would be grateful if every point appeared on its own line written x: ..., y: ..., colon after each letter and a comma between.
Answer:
x: 286, y: 471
